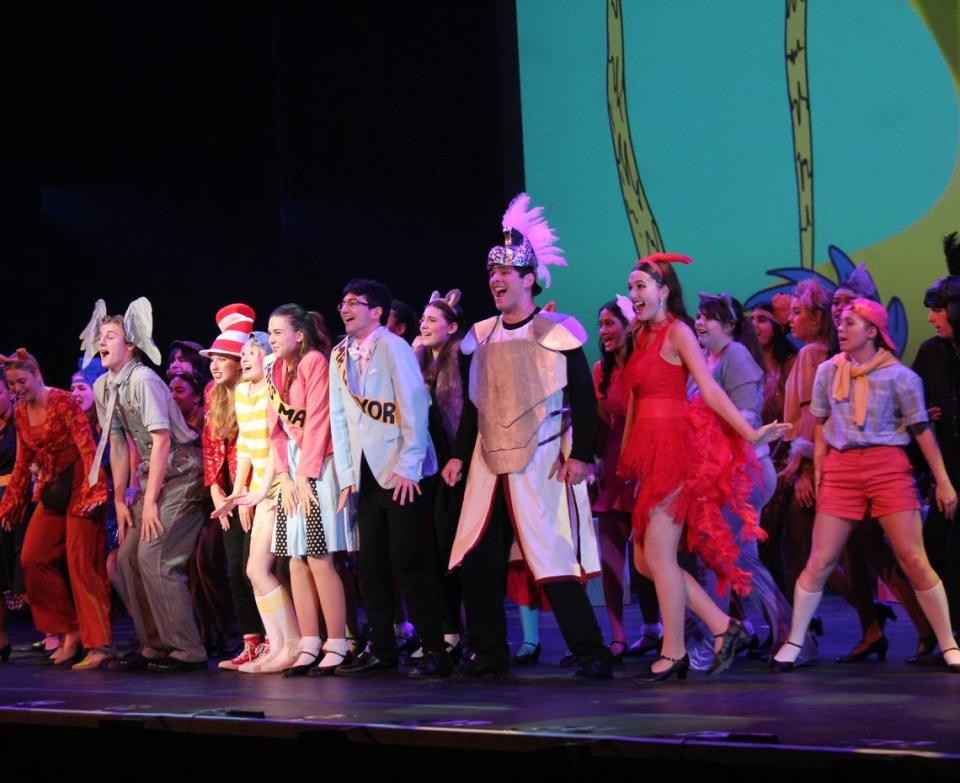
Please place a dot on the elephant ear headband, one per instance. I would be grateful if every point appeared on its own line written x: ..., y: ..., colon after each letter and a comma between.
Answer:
x: 137, y: 329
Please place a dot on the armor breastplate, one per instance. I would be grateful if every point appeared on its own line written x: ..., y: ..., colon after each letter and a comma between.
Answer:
x: 510, y: 383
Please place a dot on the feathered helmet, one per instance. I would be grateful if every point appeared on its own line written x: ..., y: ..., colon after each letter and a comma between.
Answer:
x: 528, y: 243
x: 137, y: 329
x: 945, y: 293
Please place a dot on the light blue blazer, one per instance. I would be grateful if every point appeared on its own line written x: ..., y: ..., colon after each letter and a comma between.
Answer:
x: 392, y: 376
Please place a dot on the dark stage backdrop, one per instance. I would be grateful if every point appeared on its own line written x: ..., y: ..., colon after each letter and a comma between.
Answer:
x: 202, y: 153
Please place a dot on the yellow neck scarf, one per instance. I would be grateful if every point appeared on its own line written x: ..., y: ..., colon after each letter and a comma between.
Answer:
x: 847, y: 372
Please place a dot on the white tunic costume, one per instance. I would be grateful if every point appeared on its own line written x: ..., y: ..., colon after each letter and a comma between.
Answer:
x: 517, y: 382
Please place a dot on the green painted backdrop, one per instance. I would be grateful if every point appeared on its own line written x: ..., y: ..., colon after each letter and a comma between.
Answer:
x: 711, y: 131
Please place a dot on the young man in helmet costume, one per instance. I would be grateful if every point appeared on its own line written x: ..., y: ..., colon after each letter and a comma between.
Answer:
x: 534, y: 411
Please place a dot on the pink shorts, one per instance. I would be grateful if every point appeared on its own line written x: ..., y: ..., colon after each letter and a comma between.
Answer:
x: 870, y: 482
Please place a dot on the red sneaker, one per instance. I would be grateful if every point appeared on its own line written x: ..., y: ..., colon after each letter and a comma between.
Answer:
x: 251, y: 646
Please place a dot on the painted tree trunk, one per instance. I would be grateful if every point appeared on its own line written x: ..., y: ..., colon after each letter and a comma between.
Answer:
x: 643, y: 225
x: 798, y: 90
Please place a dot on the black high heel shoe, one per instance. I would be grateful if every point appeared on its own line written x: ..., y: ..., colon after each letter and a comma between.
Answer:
x: 527, y: 658
x: 304, y: 668
x: 735, y: 636
x: 678, y: 666
x: 863, y: 651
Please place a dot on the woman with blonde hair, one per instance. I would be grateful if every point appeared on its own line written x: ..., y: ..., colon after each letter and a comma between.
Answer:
x: 55, y: 444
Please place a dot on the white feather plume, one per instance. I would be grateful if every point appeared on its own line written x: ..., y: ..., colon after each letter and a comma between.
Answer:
x: 535, y: 228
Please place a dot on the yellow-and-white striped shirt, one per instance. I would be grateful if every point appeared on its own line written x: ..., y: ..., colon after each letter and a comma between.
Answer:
x: 253, y: 440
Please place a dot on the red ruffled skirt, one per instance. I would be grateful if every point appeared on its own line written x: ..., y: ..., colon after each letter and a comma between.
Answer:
x: 685, y: 452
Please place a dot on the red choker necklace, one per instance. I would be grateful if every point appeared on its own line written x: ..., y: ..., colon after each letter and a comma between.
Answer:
x: 658, y: 326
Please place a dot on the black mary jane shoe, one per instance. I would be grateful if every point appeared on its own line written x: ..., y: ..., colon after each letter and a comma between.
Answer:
x: 303, y: 669
x: 862, y: 651
x: 678, y: 666
x: 325, y: 671
x: 5, y: 652
x: 782, y: 667
x: 954, y: 668
x: 527, y: 658
x: 732, y: 639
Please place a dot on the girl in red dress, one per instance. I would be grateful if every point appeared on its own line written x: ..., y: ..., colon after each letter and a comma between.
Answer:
x: 689, y: 464
x: 55, y: 443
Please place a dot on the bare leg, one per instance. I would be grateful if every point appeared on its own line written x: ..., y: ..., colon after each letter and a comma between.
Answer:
x: 329, y: 589
x: 307, y: 606
x: 659, y: 558
x: 830, y: 535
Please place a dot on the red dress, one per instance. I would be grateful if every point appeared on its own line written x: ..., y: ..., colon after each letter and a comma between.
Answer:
x: 684, y: 450
x: 613, y: 492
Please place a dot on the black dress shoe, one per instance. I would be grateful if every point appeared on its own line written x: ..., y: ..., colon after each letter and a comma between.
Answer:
x: 434, y: 664
x: 135, y: 662
x: 478, y: 666
x: 365, y: 663
x: 5, y: 652
x: 595, y: 669
x: 169, y: 665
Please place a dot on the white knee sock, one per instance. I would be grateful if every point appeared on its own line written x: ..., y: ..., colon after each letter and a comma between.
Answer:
x: 934, y: 605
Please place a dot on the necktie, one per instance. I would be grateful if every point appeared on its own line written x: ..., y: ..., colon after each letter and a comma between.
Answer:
x: 104, y: 435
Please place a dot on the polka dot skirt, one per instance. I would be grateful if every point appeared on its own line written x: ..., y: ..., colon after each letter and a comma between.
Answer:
x: 316, y: 540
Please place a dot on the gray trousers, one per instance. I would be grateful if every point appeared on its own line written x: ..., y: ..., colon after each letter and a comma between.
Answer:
x: 154, y: 573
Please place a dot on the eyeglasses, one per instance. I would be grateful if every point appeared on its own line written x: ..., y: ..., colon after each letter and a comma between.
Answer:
x: 351, y: 303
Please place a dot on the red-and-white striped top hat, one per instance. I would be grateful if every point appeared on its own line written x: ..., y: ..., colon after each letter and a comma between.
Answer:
x: 236, y: 323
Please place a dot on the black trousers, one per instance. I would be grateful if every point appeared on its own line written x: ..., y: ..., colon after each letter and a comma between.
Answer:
x: 484, y: 585
x: 236, y: 544
x: 941, y: 539
x: 396, y: 542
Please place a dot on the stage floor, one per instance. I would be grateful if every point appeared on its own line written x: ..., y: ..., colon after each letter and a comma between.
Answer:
x: 870, y: 707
